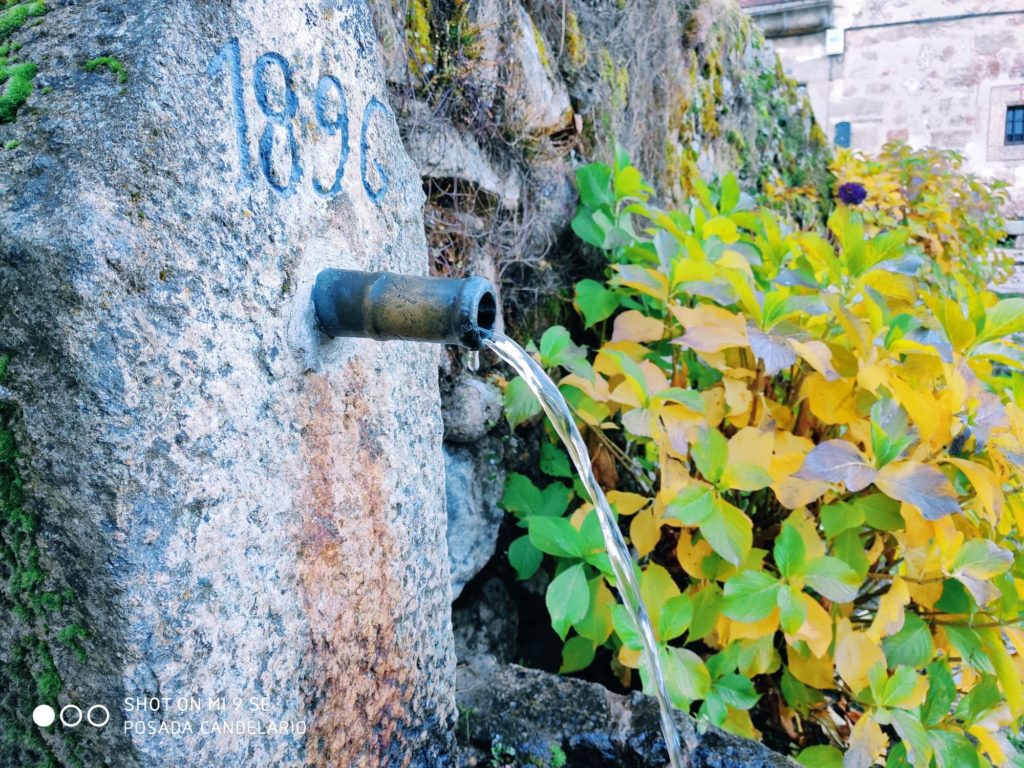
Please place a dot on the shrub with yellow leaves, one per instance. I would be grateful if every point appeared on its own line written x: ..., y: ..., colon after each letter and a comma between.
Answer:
x: 815, y: 443
x: 954, y: 216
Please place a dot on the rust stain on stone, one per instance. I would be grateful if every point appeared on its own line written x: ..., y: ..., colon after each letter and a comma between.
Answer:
x: 358, y: 682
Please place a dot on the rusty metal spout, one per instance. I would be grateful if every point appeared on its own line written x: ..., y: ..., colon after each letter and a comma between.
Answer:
x: 384, y: 305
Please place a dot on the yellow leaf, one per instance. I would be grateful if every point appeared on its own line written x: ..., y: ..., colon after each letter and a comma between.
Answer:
x: 794, y: 493
x: 738, y: 721
x: 811, y: 670
x: 930, y: 414
x: 735, y: 630
x: 644, y: 531
x: 629, y: 658
x: 816, y: 630
x: 830, y: 401
x: 627, y: 503
x: 636, y: 326
x: 868, y: 744
x: 739, y: 399
x: 656, y: 587
x: 873, y: 376
x: 818, y: 355
x: 691, y: 554
x: 806, y: 526
x: 986, y: 485
x: 595, y: 390
x: 856, y: 654
x: 645, y: 280
x: 710, y: 329
x: 714, y: 405
x: 1005, y: 670
x: 890, y: 616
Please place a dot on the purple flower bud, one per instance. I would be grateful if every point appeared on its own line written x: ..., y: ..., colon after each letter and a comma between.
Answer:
x: 852, y: 193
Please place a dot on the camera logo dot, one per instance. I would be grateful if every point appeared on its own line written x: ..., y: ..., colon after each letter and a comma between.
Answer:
x: 43, y: 715
x: 71, y: 716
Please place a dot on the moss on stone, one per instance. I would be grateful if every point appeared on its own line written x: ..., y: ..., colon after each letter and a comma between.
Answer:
x: 15, y: 79
x: 110, y: 62
x: 418, y: 41
x: 542, y: 48
x: 29, y: 672
x: 575, y: 43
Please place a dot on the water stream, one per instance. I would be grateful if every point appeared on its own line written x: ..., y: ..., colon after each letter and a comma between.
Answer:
x: 622, y: 565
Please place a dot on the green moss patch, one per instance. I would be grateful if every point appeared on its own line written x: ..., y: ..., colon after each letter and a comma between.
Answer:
x: 111, y: 63
x: 15, y: 78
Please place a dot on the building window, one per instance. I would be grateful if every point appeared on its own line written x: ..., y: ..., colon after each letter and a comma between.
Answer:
x: 1015, y: 125
x: 842, y: 134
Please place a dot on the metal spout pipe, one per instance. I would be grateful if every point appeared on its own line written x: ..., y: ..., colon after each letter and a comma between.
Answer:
x: 383, y: 305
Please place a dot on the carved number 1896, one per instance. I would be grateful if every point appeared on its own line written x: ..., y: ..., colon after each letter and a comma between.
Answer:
x: 332, y: 121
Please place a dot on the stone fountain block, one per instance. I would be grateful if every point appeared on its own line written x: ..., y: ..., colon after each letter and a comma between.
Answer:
x: 236, y: 519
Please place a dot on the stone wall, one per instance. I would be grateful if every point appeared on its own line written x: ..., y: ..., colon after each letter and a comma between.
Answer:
x: 204, y: 506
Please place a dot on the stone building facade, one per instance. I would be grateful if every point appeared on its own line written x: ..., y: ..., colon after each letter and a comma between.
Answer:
x: 942, y: 73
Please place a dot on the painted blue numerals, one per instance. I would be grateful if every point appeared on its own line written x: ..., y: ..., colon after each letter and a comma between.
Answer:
x: 374, y: 105
x: 330, y: 99
x: 280, y: 107
x: 281, y: 116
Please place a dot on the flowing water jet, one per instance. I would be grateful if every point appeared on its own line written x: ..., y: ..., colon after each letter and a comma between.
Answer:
x: 557, y: 410
x: 382, y: 305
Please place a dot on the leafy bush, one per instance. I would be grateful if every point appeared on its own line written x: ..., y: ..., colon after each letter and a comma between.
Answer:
x: 954, y: 216
x: 821, y: 446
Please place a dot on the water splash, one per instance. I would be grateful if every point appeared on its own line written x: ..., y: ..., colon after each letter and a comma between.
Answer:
x: 622, y: 565
x: 473, y: 360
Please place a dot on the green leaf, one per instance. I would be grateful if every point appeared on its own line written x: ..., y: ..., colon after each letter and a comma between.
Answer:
x: 919, y: 484
x: 577, y: 654
x: 912, y: 646
x: 693, y: 505
x: 832, y: 578
x: 891, y: 435
x: 554, y: 462
x: 627, y: 631
x: 594, y: 184
x: 524, y: 557
x: 750, y: 596
x: 849, y: 548
x: 587, y: 228
x: 594, y: 301
x: 686, y: 677
x: 1005, y: 318
x: 675, y: 617
x: 555, y: 536
x: 941, y: 693
x: 553, y: 345
x: 707, y: 605
x: 567, y: 598
x: 953, y: 750
x: 521, y: 496
x: 710, y: 453
x: 982, y: 697
x: 730, y: 195
x: 520, y: 402
x: 913, y: 735
x: 820, y: 757
x: 729, y: 532
x: 790, y: 552
x: 898, y: 687
x: 736, y: 691
x: 968, y: 645
x: 554, y: 500
x: 881, y: 512
x: 841, y: 516
x: 792, y: 611
x: 797, y: 695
